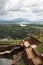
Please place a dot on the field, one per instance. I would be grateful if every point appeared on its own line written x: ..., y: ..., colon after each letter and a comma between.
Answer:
x: 15, y: 31
x: 8, y: 42
x: 39, y: 37
x: 40, y: 48
x: 21, y: 63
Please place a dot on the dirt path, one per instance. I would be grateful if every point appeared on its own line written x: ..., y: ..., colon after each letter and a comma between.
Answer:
x: 35, y: 59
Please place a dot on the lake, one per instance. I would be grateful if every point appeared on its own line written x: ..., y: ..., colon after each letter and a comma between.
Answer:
x: 4, y: 61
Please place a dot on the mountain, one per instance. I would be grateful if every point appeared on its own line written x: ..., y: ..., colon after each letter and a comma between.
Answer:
x: 21, y: 21
x: 16, y: 20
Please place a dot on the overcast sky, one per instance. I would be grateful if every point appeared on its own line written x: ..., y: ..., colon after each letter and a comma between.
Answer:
x: 11, y: 9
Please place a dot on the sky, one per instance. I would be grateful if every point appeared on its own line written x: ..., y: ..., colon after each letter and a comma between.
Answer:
x: 31, y: 9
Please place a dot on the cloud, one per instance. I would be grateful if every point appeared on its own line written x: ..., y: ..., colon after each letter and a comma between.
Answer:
x: 2, y: 4
x: 32, y: 9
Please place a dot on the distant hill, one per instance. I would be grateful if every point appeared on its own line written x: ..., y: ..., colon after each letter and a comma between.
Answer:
x: 21, y: 21
x: 16, y: 20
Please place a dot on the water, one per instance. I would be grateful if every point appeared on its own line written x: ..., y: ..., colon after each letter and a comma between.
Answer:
x: 4, y: 61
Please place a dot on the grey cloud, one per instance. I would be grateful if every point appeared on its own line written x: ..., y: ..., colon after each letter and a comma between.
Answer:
x: 2, y: 3
x: 17, y: 7
x: 2, y: 12
x: 37, y: 11
x: 40, y: 14
x: 19, y: 10
x: 33, y: 5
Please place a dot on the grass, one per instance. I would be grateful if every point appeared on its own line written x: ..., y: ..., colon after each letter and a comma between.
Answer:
x: 39, y: 37
x: 8, y: 41
x: 21, y: 63
x: 40, y: 48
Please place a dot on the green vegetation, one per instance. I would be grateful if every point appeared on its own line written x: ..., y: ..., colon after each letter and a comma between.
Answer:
x: 39, y: 37
x: 5, y: 42
x: 40, y: 48
x: 21, y: 63
x: 15, y: 31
